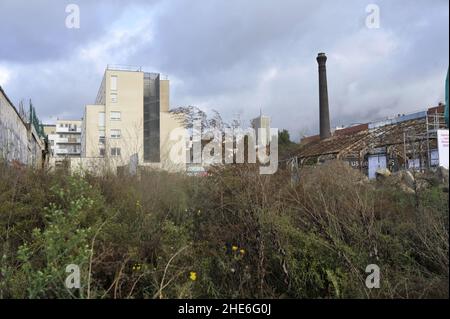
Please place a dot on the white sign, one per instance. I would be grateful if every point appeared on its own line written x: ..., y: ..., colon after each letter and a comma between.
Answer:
x: 134, y: 162
x: 442, y: 136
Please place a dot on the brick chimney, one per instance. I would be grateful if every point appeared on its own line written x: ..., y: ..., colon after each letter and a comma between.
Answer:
x: 323, y: 97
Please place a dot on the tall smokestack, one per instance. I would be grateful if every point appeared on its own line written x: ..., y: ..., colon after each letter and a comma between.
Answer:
x: 323, y: 97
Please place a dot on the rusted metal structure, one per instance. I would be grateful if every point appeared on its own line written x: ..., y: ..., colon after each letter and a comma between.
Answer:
x: 405, y: 142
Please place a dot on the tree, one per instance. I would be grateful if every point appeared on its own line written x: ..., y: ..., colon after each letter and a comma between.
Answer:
x: 284, y: 138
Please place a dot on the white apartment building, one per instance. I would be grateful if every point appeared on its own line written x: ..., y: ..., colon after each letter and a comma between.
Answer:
x: 65, y: 138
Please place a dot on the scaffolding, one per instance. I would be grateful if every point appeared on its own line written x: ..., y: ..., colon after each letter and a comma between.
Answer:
x: 434, y: 121
x: 420, y: 147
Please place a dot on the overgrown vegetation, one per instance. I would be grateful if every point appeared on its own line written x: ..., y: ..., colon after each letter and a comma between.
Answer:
x: 233, y: 234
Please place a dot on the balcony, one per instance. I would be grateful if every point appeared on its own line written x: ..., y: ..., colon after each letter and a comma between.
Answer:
x: 70, y: 140
x: 62, y: 151
x: 68, y: 130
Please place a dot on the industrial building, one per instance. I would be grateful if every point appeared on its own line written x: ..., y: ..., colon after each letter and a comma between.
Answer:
x: 411, y: 141
x: 404, y: 142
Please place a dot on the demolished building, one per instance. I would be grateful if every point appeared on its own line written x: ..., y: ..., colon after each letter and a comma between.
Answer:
x: 402, y: 142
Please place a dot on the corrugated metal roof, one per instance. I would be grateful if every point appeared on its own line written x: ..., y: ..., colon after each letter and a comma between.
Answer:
x: 398, y: 119
x: 370, y: 138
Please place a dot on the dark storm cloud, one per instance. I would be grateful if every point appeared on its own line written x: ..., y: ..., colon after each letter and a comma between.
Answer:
x: 36, y: 30
x: 235, y: 56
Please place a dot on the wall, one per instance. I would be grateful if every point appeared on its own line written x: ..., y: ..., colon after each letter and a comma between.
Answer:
x: 13, y: 132
x: 169, y: 123
x: 130, y: 102
x: 164, y: 92
x: 36, y: 149
x: 90, y: 131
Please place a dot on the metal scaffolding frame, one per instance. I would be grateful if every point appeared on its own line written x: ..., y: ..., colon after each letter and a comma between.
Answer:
x: 434, y: 122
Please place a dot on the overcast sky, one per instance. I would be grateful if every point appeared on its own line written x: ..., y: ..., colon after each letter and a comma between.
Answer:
x: 233, y: 56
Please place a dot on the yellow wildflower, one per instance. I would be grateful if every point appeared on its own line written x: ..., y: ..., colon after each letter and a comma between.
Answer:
x: 193, y: 276
x: 242, y: 251
x: 234, y: 248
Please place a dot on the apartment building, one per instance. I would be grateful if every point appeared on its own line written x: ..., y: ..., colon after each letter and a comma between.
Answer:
x: 65, y: 138
x: 130, y: 121
x: 262, y: 123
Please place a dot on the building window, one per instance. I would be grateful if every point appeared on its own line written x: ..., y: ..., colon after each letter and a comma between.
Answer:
x: 113, y: 82
x: 102, y: 152
x: 434, y: 158
x: 113, y: 97
x: 115, y: 133
x: 115, y: 116
x: 101, y: 136
x: 101, y: 119
x: 115, y: 151
x: 151, y: 118
x: 414, y: 163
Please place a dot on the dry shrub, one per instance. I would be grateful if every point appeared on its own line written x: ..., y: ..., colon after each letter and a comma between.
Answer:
x: 243, y: 234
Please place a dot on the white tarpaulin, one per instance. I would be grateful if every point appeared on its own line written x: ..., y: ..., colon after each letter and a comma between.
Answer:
x: 442, y: 136
x: 376, y: 162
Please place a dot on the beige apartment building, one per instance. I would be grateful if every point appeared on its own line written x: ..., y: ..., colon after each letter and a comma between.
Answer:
x: 130, y: 124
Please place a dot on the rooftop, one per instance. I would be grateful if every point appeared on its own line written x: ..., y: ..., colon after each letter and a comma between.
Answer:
x: 122, y: 67
x: 363, y: 137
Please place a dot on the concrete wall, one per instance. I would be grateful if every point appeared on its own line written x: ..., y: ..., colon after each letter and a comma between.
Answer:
x: 36, y: 149
x: 90, y: 131
x: 13, y: 132
x: 164, y: 93
x: 177, y: 145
